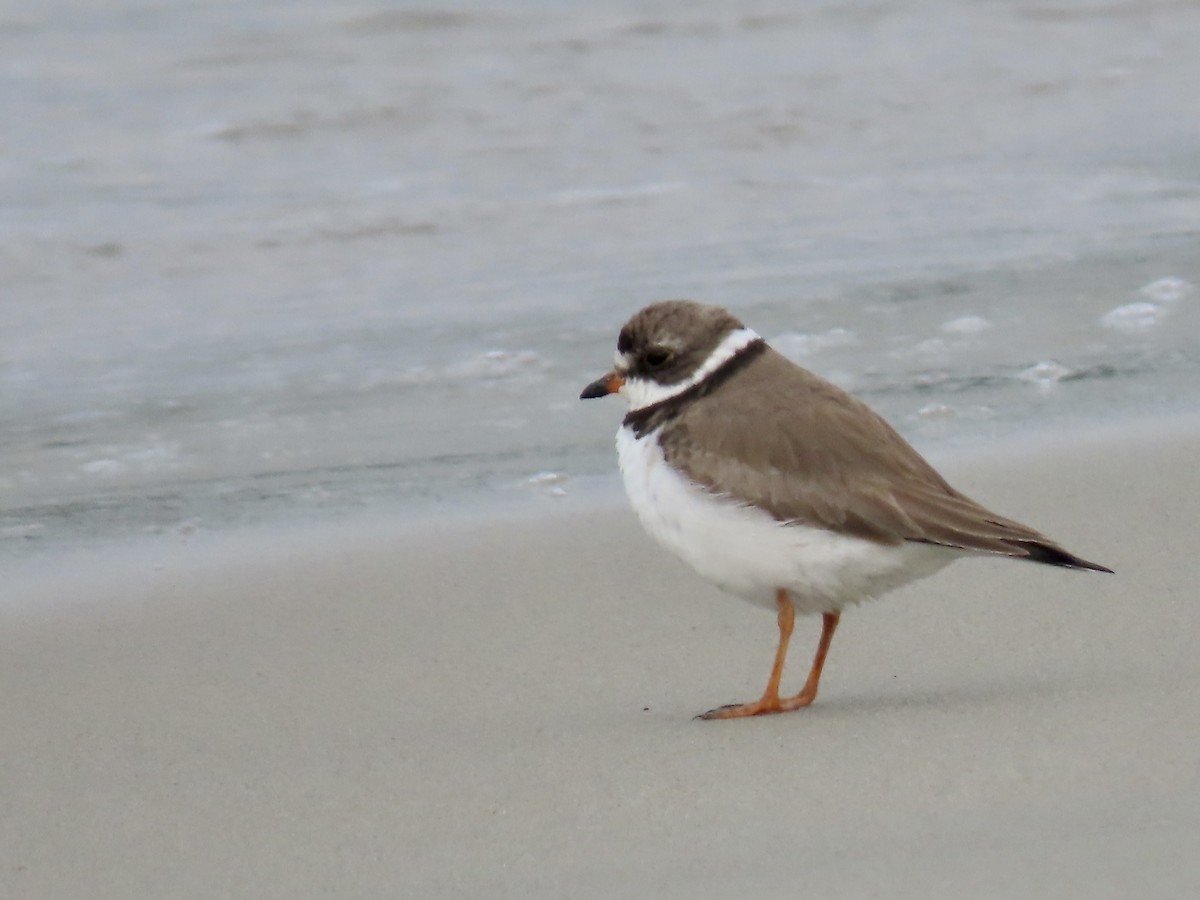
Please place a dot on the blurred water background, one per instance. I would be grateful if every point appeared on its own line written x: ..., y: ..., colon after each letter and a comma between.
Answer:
x: 275, y: 261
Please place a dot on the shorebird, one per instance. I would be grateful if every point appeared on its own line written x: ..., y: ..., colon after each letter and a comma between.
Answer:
x: 779, y: 487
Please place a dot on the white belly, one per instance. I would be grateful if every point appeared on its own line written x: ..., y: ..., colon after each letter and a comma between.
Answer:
x: 745, y: 551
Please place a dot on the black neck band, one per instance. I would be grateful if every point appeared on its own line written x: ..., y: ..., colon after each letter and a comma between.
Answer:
x: 648, y: 418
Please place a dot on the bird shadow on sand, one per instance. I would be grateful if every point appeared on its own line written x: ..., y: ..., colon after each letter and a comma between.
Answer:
x: 977, y: 695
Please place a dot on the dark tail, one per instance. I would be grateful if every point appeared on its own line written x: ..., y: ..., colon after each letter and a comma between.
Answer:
x: 1057, y: 556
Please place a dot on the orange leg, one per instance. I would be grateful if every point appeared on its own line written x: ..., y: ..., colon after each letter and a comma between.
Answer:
x: 770, y: 701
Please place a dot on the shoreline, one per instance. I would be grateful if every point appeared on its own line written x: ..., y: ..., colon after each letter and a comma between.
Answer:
x: 590, y: 494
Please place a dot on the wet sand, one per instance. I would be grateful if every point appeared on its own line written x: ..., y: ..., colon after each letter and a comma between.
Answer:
x: 504, y: 709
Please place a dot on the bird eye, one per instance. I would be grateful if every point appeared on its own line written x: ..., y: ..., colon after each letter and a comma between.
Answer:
x: 657, y: 357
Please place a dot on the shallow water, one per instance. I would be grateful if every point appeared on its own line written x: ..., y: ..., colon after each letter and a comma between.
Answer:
x: 289, y: 260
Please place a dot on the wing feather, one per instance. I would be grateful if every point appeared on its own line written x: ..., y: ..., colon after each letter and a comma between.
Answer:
x: 783, y: 439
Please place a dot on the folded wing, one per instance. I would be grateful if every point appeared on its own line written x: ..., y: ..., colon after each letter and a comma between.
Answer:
x: 809, y: 453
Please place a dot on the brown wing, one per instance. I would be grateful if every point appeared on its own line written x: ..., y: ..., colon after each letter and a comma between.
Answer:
x: 781, y: 438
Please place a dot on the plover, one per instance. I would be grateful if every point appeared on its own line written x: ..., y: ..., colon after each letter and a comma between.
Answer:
x: 780, y: 487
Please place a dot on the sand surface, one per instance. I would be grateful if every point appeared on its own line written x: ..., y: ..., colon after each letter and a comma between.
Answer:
x: 504, y: 709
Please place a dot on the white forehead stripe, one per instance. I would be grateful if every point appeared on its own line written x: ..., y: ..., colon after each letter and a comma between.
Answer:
x: 642, y: 392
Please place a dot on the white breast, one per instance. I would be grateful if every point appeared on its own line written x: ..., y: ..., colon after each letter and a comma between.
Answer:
x: 744, y: 550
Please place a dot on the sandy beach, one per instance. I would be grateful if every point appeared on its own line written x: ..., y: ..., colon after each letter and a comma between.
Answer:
x: 496, y: 709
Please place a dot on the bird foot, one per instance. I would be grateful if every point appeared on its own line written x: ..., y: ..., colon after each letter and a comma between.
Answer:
x: 763, y: 706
